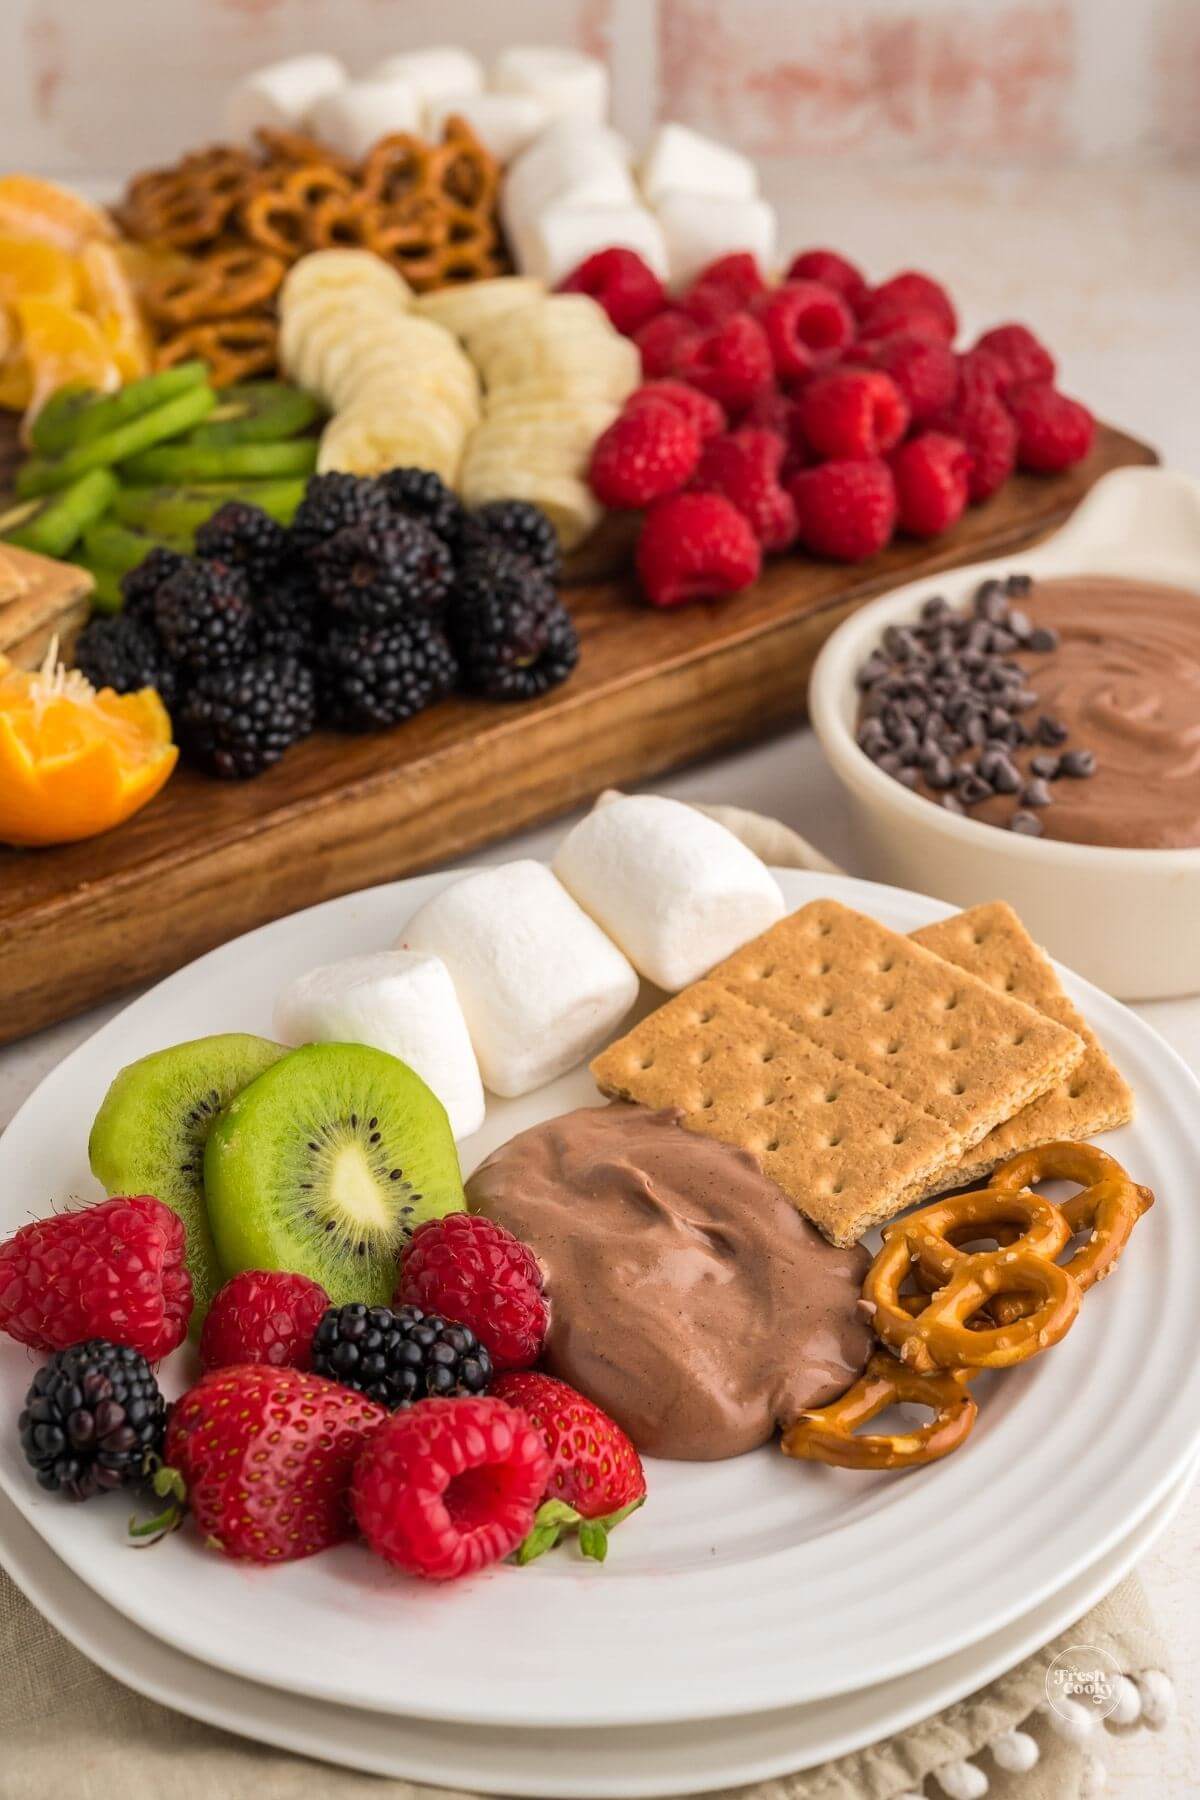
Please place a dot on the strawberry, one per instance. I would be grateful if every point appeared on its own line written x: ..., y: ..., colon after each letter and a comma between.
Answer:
x: 595, y: 1476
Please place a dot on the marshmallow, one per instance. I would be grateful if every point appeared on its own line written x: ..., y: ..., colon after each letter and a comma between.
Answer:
x: 281, y: 96
x: 684, y: 161
x: 552, y: 244
x: 697, y: 228
x: 503, y: 123
x: 353, y: 118
x: 584, y: 168
x: 398, y: 1001
x: 441, y: 70
x: 675, y: 890
x: 540, y: 985
x: 570, y: 85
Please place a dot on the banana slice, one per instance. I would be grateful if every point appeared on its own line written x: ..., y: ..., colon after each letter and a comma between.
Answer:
x: 324, y: 270
x: 467, y: 308
x: 611, y: 368
x: 569, y: 504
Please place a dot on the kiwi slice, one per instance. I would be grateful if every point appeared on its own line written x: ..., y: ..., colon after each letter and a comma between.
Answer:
x: 325, y: 1166
x: 41, y: 474
x: 53, y: 523
x: 223, y: 462
x: 106, y: 595
x: 174, y: 511
x: 78, y: 414
x: 149, y: 1135
x: 107, y: 545
x: 256, y: 412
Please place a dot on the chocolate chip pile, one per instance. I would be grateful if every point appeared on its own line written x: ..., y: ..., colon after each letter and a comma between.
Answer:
x: 944, y: 706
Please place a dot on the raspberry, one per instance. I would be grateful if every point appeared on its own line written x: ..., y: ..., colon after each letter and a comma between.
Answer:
x: 925, y: 371
x: 701, y: 409
x: 724, y: 287
x: 695, y: 547
x: 912, y: 292
x: 731, y: 362
x: 773, y: 410
x: 1053, y: 432
x: 832, y: 271
x: 806, y: 325
x: 115, y: 1270
x: 853, y: 413
x: 1023, y: 355
x: 649, y: 451
x: 665, y: 341
x: 596, y: 1477
x: 846, y: 510
x: 622, y: 283
x: 474, y: 1271
x: 986, y: 427
x: 914, y: 321
x: 263, y: 1316
x: 449, y: 1486
x: 931, y: 474
x: 744, y: 465
x: 980, y: 372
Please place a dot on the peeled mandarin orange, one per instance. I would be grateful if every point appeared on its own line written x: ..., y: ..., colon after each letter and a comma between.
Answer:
x: 61, y: 345
x: 74, y: 762
x: 16, y: 382
x: 33, y: 208
x: 109, y: 297
x: 31, y: 267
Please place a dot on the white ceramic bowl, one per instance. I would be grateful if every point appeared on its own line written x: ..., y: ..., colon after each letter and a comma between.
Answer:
x: 1127, y: 919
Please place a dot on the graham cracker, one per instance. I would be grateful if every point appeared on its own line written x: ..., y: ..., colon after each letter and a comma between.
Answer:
x: 849, y: 1151
x: 990, y: 942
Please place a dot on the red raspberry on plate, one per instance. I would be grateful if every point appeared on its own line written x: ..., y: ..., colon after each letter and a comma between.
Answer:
x: 1053, y: 432
x: 701, y: 409
x: 116, y: 1270
x: 744, y: 465
x: 728, y: 285
x: 477, y: 1273
x: 664, y: 342
x: 596, y: 1477
x: 980, y: 372
x: 263, y: 1316
x: 263, y: 1459
x: 622, y: 283
x: 853, y: 413
x: 985, y: 425
x: 650, y: 450
x: 1024, y: 356
x: 807, y: 325
x: 925, y: 371
x: 832, y: 271
x: 731, y: 362
x: 932, y: 474
x: 450, y: 1485
x: 911, y: 292
x: 773, y: 410
x: 846, y: 510
x: 695, y: 547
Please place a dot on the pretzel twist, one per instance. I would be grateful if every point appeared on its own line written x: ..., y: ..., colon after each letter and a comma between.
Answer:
x: 827, y: 1434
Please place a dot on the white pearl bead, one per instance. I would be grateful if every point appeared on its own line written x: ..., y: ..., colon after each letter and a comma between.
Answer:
x: 1158, y: 1697
x: 1093, y: 1778
x: 1128, y: 1709
x: 962, y: 1781
x: 1015, y: 1752
x: 1071, y: 1720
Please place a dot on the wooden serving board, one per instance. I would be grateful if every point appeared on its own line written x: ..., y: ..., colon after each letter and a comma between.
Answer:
x: 208, y: 859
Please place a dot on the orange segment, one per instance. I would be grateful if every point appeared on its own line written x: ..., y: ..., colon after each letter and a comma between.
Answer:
x: 60, y: 345
x: 109, y: 297
x: 33, y: 208
x: 32, y: 268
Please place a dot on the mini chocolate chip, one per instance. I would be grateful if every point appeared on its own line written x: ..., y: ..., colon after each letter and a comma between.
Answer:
x: 1043, y: 639
x: 940, y: 774
x: 974, y: 789
x: 873, y: 670
x: 1019, y: 735
x: 908, y: 778
x: 953, y: 742
x: 1002, y: 642
x: 1078, y: 763
x: 1051, y: 730
x: 1027, y: 823
x: 871, y: 736
x: 952, y: 803
x: 1021, y: 699
x: 917, y: 709
x: 990, y: 602
x: 1046, y: 767
x: 998, y: 719
x: 909, y: 751
x: 1021, y: 626
x: 1018, y: 584
x: 1005, y: 776
x: 889, y: 762
x: 936, y: 607
x: 975, y: 730
x: 1036, y: 793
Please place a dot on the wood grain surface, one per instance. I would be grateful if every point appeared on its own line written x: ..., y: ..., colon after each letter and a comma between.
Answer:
x: 207, y: 859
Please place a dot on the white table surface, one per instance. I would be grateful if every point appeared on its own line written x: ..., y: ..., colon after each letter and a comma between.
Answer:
x: 1105, y: 263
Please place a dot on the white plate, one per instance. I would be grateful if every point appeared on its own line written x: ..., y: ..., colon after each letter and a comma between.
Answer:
x: 743, y: 1585
x: 640, y: 1762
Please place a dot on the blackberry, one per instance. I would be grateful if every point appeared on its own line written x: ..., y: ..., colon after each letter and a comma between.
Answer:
x: 285, y: 613
x: 518, y: 526
x: 330, y: 503
x: 373, y: 676
x: 513, y: 636
x: 124, y: 655
x: 139, y: 585
x: 246, y: 538
x: 203, y: 616
x: 237, y: 722
x: 92, y: 1419
x: 396, y: 1355
x: 374, y: 572
x: 422, y: 495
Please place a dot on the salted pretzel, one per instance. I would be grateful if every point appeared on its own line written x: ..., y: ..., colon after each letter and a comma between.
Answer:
x: 826, y: 1434
x: 234, y: 349
x: 296, y: 147
x: 221, y: 286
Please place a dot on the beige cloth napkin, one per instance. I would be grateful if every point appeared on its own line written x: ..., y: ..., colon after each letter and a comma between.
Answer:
x: 68, y: 1731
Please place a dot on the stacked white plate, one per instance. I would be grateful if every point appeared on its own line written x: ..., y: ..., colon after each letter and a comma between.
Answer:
x: 758, y: 1615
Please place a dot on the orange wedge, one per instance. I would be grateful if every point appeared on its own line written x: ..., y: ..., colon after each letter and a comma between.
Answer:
x: 61, y: 344
x: 33, y: 208
x: 31, y: 268
x: 109, y: 297
x: 74, y: 762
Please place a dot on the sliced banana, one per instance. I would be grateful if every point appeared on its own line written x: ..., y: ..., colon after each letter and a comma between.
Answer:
x: 468, y: 307
x: 330, y: 269
x: 569, y: 503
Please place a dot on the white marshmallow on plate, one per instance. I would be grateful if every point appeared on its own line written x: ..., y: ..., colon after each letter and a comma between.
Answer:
x: 673, y: 888
x: 540, y: 985
x: 684, y: 160
x: 585, y: 169
x: 441, y: 69
x: 698, y: 228
x: 552, y: 244
x: 570, y: 84
x: 353, y: 118
x: 503, y: 123
x: 395, y: 1000
x: 281, y: 96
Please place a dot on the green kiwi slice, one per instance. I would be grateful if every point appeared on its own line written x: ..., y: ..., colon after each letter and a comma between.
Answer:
x: 223, y: 462
x: 150, y: 1132
x: 78, y: 414
x: 325, y: 1165
x: 53, y: 523
x: 106, y: 595
x: 107, y: 545
x: 177, y: 510
x: 257, y: 412
x: 41, y: 473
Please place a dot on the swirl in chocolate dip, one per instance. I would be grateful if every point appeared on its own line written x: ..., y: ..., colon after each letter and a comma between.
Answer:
x: 688, y: 1297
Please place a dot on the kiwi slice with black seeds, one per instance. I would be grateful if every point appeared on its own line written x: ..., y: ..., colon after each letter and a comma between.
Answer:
x: 42, y: 474
x: 256, y: 412
x: 325, y: 1165
x: 189, y: 461
x: 78, y: 414
x: 172, y: 510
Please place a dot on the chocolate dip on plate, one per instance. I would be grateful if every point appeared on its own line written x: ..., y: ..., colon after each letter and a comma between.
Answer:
x: 688, y: 1297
